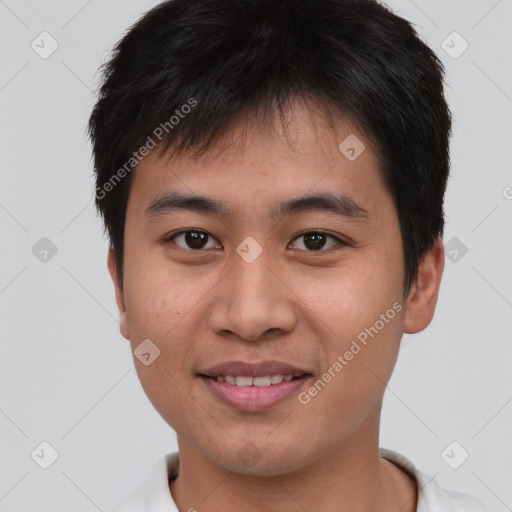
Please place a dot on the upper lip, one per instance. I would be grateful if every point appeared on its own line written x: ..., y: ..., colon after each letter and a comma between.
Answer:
x: 240, y: 368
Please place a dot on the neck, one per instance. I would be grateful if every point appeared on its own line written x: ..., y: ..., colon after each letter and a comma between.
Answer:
x: 349, y: 478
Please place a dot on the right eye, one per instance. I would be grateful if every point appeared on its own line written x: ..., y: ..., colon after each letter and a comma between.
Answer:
x: 193, y: 238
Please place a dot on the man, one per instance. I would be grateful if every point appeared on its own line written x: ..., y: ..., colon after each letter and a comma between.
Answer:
x: 271, y: 177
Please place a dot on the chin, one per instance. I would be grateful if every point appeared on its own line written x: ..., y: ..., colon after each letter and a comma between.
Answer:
x: 256, y: 460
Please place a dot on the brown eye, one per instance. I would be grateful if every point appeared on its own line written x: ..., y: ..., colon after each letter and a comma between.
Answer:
x: 316, y: 240
x: 196, y: 240
x: 193, y: 239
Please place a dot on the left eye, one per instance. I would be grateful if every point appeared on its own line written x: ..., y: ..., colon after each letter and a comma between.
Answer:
x: 315, y: 240
x: 197, y: 240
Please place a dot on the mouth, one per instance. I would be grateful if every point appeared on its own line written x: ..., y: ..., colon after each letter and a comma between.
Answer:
x: 253, y: 387
x: 263, y: 381
x: 264, y: 369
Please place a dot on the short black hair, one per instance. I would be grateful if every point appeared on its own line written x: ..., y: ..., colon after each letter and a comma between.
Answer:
x: 184, y: 70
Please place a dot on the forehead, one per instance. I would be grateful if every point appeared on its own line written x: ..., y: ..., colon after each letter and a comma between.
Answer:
x: 250, y: 166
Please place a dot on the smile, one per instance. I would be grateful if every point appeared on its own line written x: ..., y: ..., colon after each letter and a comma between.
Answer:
x: 253, y: 393
x: 243, y: 380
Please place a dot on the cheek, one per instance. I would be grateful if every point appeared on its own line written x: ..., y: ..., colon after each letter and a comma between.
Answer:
x: 156, y: 297
x: 164, y: 305
x: 157, y: 304
x: 354, y: 295
x: 362, y: 312
x: 353, y: 381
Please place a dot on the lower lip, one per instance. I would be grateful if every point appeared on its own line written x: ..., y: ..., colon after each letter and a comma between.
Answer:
x: 253, y: 398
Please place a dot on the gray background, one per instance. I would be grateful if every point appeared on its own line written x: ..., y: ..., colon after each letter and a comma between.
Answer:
x: 66, y: 374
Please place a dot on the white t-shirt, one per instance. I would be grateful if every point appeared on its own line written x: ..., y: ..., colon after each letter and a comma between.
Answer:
x: 156, y: 496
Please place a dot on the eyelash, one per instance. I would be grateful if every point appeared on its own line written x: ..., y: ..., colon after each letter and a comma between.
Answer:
x: 174, y: 235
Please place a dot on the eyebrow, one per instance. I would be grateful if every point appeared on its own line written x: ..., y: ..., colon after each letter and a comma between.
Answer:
x: 340, y: 204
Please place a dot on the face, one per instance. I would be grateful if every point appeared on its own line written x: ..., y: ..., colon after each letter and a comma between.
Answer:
x: 315, y: 289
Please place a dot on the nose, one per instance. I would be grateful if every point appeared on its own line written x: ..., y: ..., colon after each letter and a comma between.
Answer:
x: 253, y: 301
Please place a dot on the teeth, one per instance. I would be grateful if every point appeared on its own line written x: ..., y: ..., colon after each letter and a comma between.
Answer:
x: 276, y: 379
x: 262, y: 381
x: 242, y: 380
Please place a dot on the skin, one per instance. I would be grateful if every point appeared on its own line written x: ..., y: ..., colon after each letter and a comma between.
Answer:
x: 292, y: 304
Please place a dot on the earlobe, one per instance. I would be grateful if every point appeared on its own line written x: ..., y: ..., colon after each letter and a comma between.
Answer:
x: 422, y: 299
x: 112, y: 268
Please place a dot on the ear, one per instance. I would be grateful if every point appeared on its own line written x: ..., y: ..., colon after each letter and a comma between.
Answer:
x: 422, y: 299
x: 112, y: 268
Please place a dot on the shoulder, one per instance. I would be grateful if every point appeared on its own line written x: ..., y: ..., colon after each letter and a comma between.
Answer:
x: 432, y: 497
x: 154, y: 495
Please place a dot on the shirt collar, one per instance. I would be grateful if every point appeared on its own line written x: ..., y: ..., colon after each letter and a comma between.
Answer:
x: 156, y: 496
